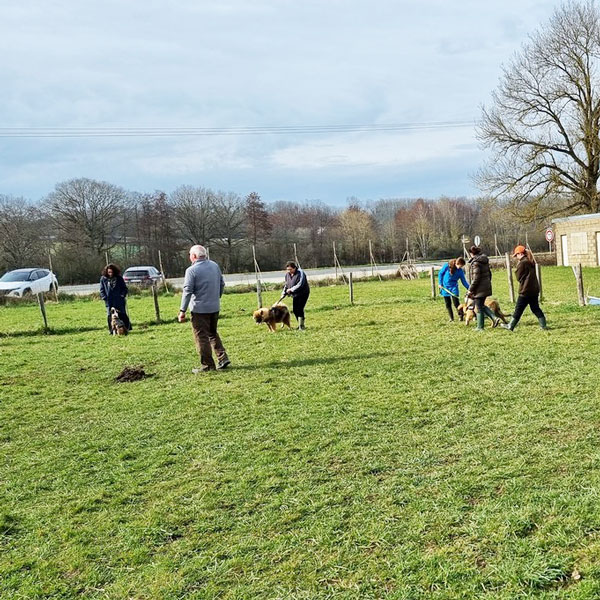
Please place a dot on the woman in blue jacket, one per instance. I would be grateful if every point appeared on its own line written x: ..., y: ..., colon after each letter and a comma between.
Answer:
x: 450, y: 274
x: 113, y: 291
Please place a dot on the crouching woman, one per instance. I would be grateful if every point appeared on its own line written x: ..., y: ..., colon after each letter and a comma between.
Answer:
x: 448, y: 278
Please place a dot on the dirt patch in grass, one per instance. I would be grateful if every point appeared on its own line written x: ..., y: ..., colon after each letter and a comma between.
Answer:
x: 132, y: 374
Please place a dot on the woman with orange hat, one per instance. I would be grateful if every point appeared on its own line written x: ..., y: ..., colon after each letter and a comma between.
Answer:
x: 529, y: 289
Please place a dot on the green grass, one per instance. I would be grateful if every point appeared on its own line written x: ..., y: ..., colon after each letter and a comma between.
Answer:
x: 383, y: 453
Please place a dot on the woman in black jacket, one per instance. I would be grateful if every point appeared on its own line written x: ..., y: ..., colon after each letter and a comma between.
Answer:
x: 481, y: 285
x: 113, y: 291
x: 296, y: 286
x: 529, y: 289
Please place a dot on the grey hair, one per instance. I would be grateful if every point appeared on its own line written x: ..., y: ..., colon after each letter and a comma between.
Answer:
x: 198, y: 251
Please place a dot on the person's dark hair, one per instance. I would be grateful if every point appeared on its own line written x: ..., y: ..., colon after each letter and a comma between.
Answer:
x: 475, y: 250
x: 460, y: 262
x: 452, y: 266
x: 291, y: 263
x: 116, y: 271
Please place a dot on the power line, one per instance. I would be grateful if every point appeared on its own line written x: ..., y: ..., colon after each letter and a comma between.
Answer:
x: 82, y: 132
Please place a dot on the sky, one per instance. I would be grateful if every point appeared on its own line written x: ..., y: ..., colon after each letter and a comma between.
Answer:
x: 72, y: 65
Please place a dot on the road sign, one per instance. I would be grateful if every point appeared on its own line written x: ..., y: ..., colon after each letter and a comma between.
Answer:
x: 549, y: 235
x: 477, y: 240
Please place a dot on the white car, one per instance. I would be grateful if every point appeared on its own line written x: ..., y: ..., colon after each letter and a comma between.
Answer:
x: 25, y: 282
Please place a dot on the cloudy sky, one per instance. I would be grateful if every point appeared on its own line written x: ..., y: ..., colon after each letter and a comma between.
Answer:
x: 130, y: 65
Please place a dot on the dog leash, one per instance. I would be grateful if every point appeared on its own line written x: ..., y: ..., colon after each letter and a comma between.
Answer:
x: 443, y: 288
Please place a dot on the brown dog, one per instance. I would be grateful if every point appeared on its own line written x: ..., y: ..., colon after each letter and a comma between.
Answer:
x: 116, y: 324
x: 468, y: 307
x: 278, y: 313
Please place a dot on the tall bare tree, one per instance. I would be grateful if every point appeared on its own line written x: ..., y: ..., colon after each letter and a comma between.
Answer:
x: 230, y: 227
x: 88, y: 212
x: 356, y: 226
x: 543, y: 126
x: 258, y: 223
x: 21, y: 227
x: 194, y: 213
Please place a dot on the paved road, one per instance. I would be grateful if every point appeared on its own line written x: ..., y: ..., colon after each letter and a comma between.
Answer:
x: 267, y: 277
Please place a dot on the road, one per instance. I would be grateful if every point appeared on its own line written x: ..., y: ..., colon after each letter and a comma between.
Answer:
x: 267, y: 277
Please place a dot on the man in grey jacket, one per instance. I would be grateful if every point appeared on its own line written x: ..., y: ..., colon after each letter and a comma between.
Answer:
x: 202, y: 291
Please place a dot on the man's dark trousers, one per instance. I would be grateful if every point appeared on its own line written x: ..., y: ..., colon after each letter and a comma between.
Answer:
x: 207, y: 339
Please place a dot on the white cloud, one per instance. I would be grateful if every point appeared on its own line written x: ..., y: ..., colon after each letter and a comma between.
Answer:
x: 381, y: 150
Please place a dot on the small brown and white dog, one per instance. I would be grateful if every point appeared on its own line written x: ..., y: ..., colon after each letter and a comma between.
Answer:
x: 469, y: 310
x: 116, y: 324
x: 278, y: 313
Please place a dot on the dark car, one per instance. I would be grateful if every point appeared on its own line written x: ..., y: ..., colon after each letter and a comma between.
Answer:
x: 142, y: 275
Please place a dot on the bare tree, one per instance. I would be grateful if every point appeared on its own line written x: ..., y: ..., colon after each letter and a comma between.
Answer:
x: 155, y: 231
x: 357, y: 229
x: 194, y: 212
x: 544, y: 123
x: 423, y: 229
x: 258, y: 224
x: 230, y: 227
x: 88, y: 212
x: 21, y: 225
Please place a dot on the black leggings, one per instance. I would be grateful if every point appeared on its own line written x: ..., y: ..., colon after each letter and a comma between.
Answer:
x: 521, y: 305
x: 298, y: 304
x: 450, y: 300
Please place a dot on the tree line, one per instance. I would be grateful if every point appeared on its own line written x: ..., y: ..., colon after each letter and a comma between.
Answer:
x: 82, y: 221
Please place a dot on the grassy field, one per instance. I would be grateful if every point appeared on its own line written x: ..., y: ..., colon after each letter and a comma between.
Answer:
x: 383, y: 453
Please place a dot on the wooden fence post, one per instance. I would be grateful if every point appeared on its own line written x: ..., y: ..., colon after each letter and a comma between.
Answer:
x: 52, y: 271
x: 43, y: 310
x: 511, y: 287
x: 258, y: 293
x: 351, y: 288
x: 538, y: 272
x: 432, y: 276
x: 257, y: 273
x: 162, y: 271
x: 579, y: 280
x: 335, y: 262
x: 155, y: 298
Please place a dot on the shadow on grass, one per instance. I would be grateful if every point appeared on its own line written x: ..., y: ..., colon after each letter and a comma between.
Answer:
x: 306, y: 362
x: 138, y: 328
x: 51, y: 331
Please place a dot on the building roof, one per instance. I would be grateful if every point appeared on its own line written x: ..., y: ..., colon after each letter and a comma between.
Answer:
x: 577, y: 218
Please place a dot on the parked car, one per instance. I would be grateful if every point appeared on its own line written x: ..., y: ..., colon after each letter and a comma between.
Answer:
x: 25, y: 282
x: 142, y: 275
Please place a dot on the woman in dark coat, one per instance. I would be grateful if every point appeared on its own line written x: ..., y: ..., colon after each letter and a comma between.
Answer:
x: 529, y: 289
x: 296, y: 286
x: 113, y: 291
x: 481, y: 285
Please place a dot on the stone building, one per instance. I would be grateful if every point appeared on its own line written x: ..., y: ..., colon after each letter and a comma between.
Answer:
x: 577, y: 240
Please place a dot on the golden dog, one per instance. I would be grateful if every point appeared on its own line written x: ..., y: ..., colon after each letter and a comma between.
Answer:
x: 278, y: 313
x: 469, y: 310
x: 116, y: 324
